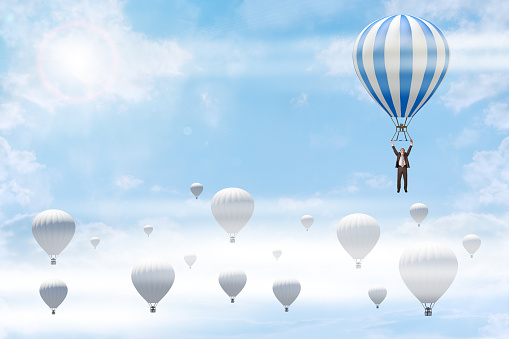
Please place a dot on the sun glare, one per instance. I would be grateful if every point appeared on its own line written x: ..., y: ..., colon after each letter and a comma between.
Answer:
x: 77, y: 62
x: 80, y: 60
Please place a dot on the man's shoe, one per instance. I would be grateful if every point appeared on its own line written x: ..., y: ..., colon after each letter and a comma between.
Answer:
x: 406, y: 191
x: 398, y: 191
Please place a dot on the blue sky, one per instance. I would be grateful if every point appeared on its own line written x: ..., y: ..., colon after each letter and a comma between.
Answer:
x: 261, y: 95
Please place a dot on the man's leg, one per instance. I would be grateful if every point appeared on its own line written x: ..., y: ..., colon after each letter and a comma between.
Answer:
x: 400, y: 172
x: 405, y: 177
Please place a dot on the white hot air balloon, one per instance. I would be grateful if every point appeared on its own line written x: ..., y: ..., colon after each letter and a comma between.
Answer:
x: 190, y: 259
x: 148, y: 230
x: 53, y: 292
x: 53, y: 230
x: 419, y: 212
x: 95, y: 241
x: 377, y: 294
x: 232, y: 281
x: 196, y: 189
x: 277, y: 253
x: 471, y: 243
x: 153, y: 279
x: 307, y: 221
x: 232, y: 208
x: 286, y: 291
x: 358, y: 233
x: 428, y: 269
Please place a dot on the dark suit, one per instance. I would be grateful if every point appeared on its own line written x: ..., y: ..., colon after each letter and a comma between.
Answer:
x: 402, y: 171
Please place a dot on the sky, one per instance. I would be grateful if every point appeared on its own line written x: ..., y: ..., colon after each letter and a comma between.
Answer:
x: 110, y: 110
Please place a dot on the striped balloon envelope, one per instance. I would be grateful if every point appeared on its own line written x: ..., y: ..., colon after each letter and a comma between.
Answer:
x: 401, y: 60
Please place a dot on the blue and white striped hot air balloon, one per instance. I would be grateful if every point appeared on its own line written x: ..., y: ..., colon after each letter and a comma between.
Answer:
x: 401, y: 60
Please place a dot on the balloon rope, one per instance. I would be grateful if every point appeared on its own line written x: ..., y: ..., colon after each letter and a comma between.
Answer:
x: 394, y: 126
x: 410, y: 120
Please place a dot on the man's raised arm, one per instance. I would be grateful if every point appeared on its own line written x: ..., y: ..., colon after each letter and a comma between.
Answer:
x: 394, y: 148
x: 410, y: 148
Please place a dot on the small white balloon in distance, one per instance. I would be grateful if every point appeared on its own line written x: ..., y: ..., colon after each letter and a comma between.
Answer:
x: 358, y: 233
x: 428, y: 269
x: 419, y: 212
x: 196, y: 189
x: 377, y: 294
x: 307, y: 221
x: 53, y: 230
x: 190, y: 259
x: 277, y: 253
x: 148, y: 230
x: 53, y: 292
x: 471, y: 242
x: 232, y: 208
x: 286, y: 291
x: 95, y: 241
x: 153, y: 279
x: 232, y: 282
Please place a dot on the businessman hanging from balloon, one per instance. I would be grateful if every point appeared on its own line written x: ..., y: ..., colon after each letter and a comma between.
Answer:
x: 401, y: 60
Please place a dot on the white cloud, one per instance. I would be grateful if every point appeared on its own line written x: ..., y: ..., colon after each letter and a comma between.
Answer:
x: 86, y: 51
x: 378, y: 181
x: 127, y: 182
x: 488, y: 174
x: 431, y: 9
x: 496, y: 327
x: 497, y: 115
x: 352, y: 188
x: 357, y: 180
x: 471, y: 89
x: 300, y: 101
x: 207, y: 100
x: 211, y: 114
x: 338, y: 57
x: 475, y: 51
x: 99, y: 279
x: 168, y: 189
x: 490, y: 14
x: 22, y: 180
x: 23, y: 162
x: 11, y: 192
x: 11, y: 115
x: 467, y: 137
x: 289, y: 204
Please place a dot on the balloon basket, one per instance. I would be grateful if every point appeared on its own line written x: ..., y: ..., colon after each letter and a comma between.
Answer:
x: 53, y: 261
x: 377, y: 306
x: 471, y: 255
x: 52, y: 311
x: 357, y: 265
x: 233, y: 300
x: 152, y: 309
x: 401, y: 128
x: 427, y: 311
x: 286, y: 309
x: 232, y: 240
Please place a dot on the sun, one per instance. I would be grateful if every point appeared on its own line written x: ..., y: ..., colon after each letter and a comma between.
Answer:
x: 77, y: 62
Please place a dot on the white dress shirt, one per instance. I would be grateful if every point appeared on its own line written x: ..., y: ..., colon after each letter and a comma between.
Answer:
x: 402, y: 162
